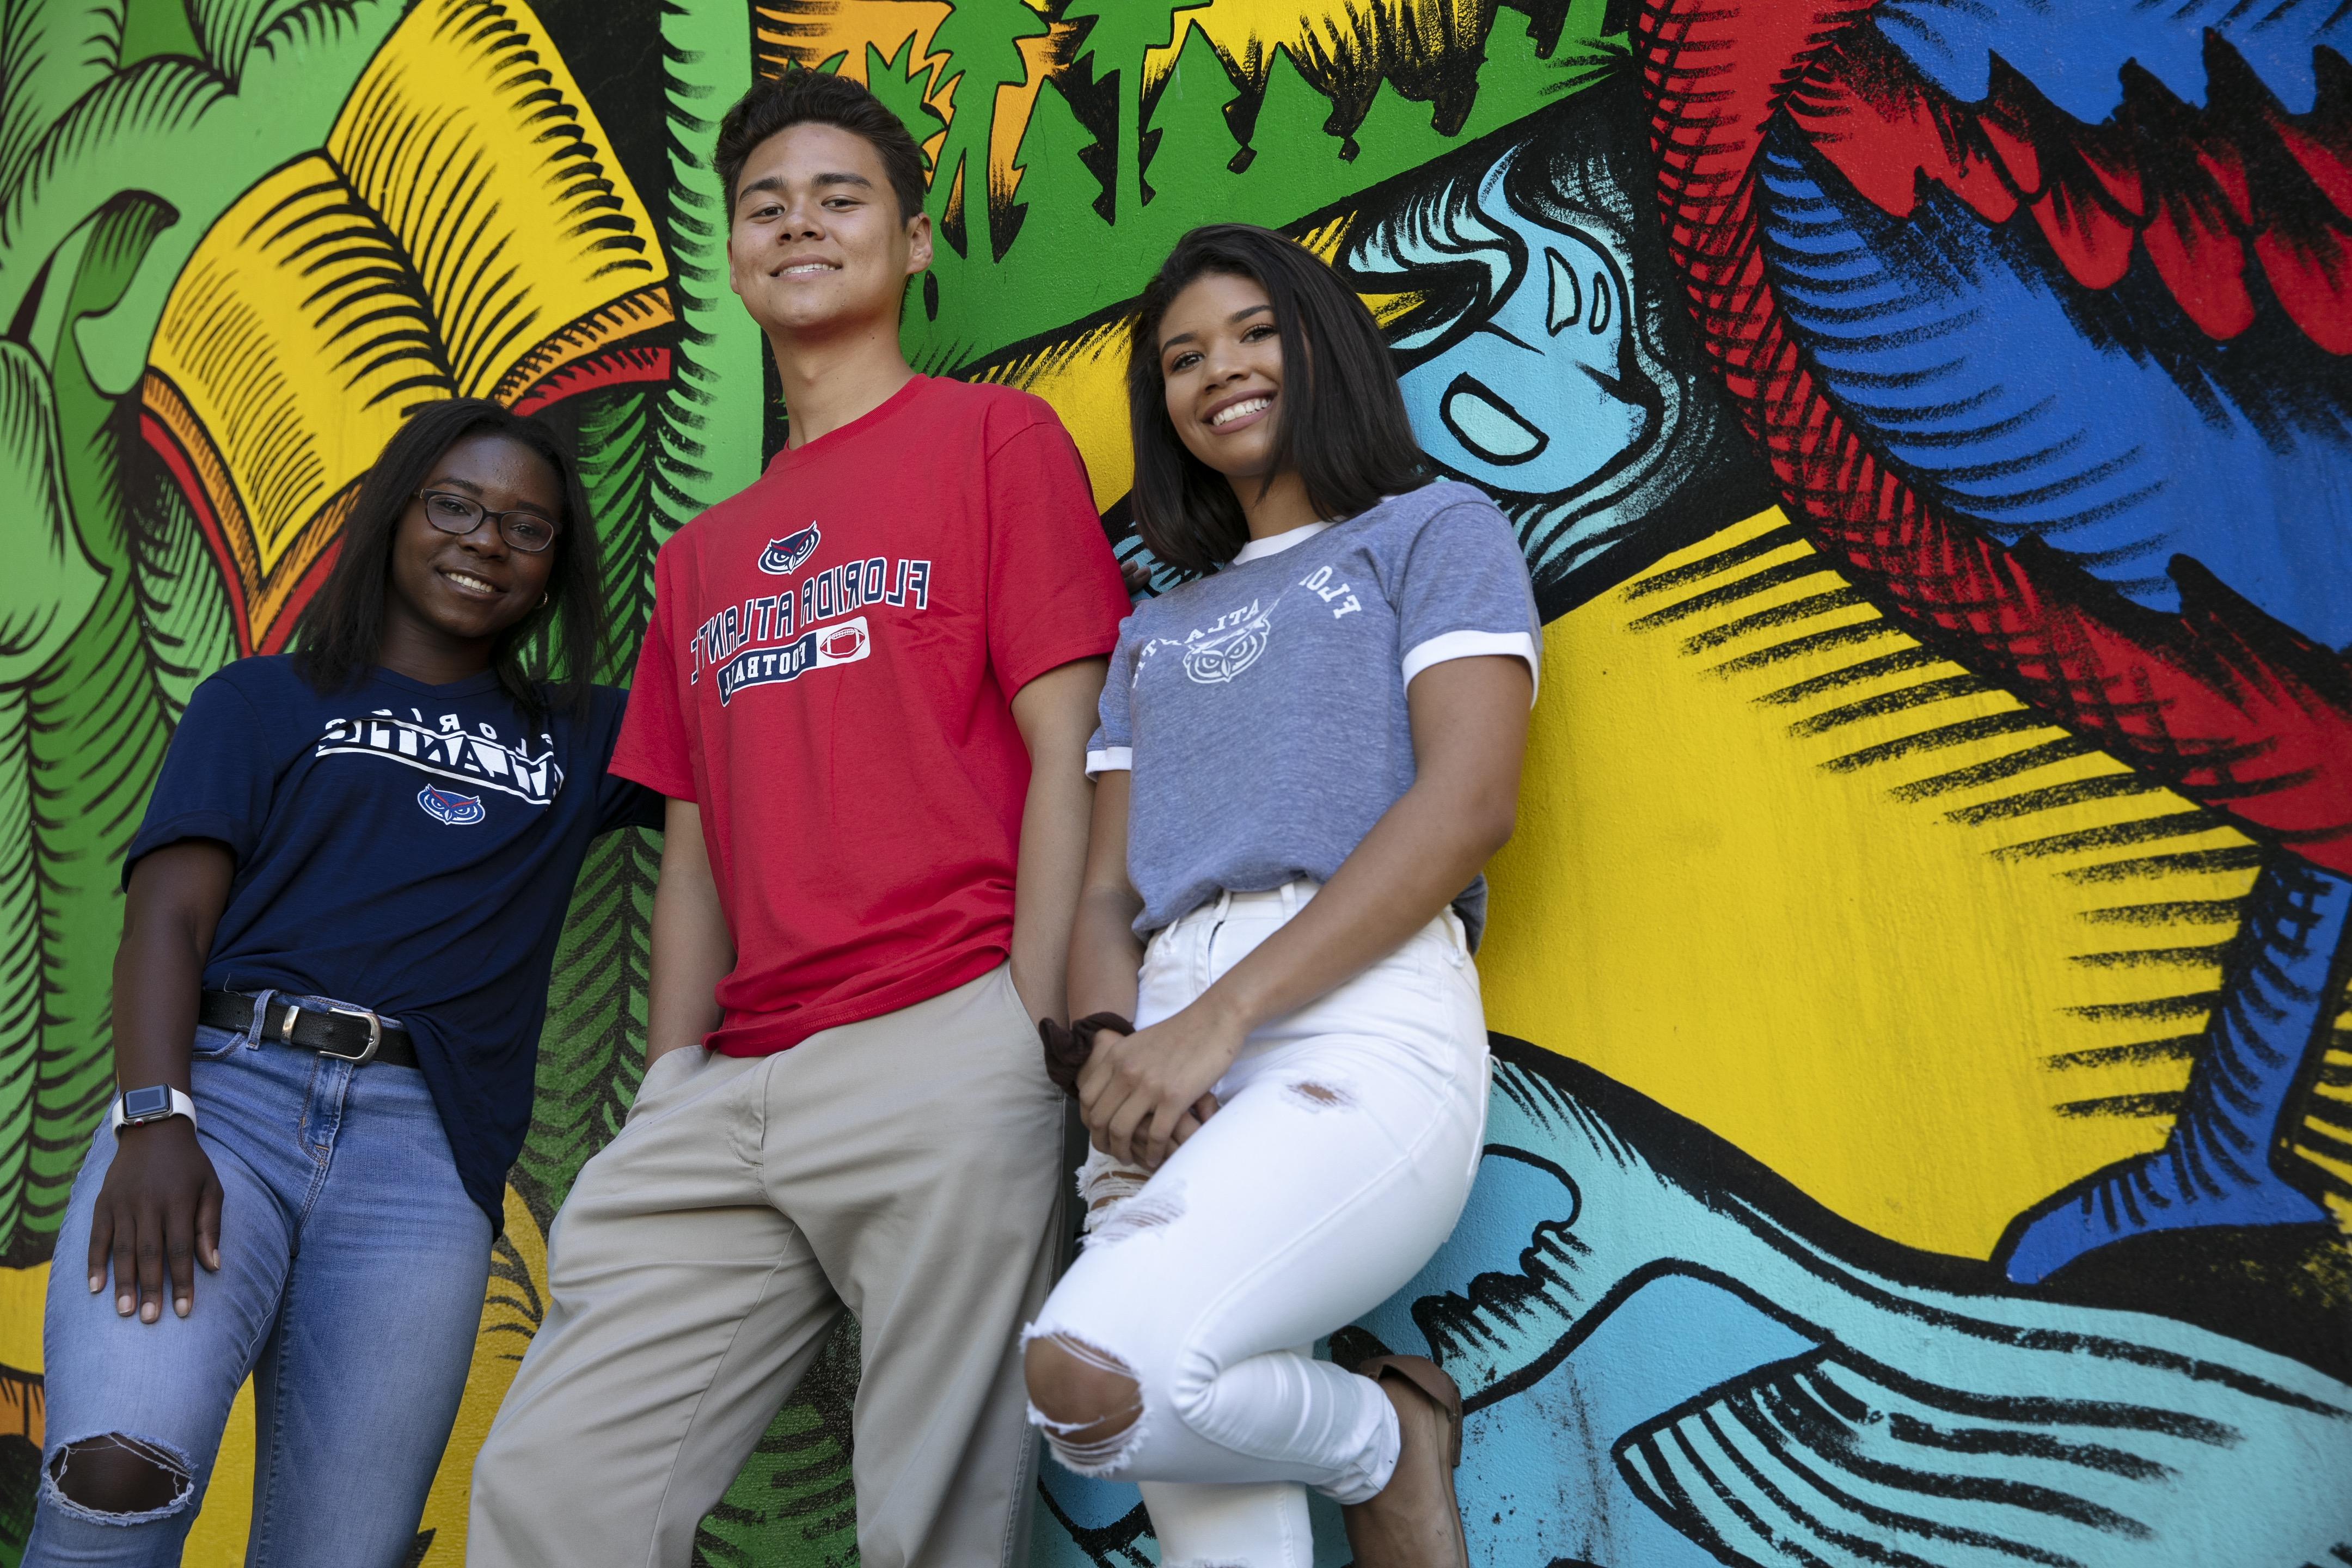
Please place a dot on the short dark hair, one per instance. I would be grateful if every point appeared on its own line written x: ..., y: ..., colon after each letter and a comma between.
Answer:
x: 800, y: 96
x: 340, y: 632
x: 1341, y: 420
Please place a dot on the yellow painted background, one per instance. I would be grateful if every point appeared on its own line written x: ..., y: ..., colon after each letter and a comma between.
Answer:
x: 1849, y: 986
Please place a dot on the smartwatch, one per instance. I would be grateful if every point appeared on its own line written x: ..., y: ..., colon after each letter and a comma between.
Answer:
x: 137, y: 1107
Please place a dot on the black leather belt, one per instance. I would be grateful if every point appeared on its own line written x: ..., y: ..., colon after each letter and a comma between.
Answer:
x: 345, y: 1033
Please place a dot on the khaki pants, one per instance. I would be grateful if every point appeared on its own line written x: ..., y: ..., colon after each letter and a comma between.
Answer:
x: 906, y: 1168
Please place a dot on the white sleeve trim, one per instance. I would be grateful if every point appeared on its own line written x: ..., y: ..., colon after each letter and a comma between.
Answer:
x: 1469, y: 645
x: 1110, y: 760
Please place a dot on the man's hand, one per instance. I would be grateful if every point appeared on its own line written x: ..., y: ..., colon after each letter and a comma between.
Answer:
x: 158, y: 1212
x: 1142, y: 1094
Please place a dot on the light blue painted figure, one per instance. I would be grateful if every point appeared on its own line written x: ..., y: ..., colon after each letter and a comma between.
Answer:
x: 1545, y: 364
x: 1526, y: 397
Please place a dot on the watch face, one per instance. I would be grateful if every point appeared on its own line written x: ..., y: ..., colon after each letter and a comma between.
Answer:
x: 146, y: 1104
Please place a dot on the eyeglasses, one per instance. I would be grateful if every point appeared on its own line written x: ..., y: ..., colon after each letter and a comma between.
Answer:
x: 525, y: 530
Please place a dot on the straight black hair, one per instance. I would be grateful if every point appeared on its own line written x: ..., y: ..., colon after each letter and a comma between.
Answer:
x: 1341, y: 421
x: 801, y: 96
x: 340, y: 631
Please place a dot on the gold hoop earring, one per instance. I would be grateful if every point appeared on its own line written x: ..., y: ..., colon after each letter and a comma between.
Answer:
x: 542, y: 603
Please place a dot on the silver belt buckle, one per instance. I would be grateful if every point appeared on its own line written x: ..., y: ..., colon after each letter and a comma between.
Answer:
x: 376, y: 1035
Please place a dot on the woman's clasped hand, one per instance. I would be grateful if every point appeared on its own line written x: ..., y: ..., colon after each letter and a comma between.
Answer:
x: 1142, y: 1094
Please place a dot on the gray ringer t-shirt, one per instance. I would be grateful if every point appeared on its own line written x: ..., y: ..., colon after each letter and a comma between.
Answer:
x: 1261, y: 708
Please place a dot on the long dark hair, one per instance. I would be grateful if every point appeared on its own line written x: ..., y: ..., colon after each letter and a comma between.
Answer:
x: 1341, y: 421
x: 337, y: 640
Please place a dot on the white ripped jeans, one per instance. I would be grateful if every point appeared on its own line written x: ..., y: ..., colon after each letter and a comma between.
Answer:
x: 1343, y: 1153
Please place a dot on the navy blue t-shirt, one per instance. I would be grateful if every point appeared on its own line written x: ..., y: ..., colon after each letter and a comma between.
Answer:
x: 406, y: 847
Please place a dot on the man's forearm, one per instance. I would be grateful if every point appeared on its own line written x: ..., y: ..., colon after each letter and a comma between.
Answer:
x: 1055, y: 713
x: 1045, y: 890
x: 692, y: 949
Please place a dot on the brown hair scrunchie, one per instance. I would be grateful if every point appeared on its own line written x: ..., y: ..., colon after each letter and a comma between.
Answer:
x: 1066, y: 1049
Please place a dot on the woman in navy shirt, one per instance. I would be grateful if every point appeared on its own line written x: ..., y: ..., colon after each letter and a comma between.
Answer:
x: 344, y: 907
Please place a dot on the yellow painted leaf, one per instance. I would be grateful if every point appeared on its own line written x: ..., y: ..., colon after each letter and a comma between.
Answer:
x: 463, y: 233
x: 472, y: 141
x: 279, y: 395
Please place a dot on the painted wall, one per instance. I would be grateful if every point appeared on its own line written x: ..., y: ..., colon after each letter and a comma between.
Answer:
x: 1923, y: 1125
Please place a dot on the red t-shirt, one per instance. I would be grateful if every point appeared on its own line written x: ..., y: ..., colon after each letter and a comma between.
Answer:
x: 829, y: 673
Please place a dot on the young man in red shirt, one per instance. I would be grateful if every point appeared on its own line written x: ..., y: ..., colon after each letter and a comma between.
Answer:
x: 866, y: 691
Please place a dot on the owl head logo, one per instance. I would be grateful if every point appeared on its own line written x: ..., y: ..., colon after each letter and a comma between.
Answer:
x: 1218, y: 658
x: 790, y: 552
x: 446, y: 805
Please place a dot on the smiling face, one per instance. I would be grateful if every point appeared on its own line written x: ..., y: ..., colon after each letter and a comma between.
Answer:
x: 1221, y: 368
x: 457, y: 592
x: 817, y: 243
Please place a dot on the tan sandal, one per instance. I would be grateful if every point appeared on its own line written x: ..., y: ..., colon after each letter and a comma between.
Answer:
x: 1430, y: 1381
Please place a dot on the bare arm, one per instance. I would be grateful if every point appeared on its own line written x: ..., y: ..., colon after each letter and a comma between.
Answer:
x: 159, y: 1209
x: 1055, y: 713
x: 1105, y: 953
x: 1469, y: 738
x: 692, y: 948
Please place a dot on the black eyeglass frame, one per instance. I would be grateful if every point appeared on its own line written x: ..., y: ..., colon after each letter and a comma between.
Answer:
x: 480, y: 514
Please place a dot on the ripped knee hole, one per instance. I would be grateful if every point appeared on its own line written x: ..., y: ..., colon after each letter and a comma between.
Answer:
x: 1322, y: 1096
x: 1083, y: 1393
x: 1086, y: 1401
x: 126, y: 1478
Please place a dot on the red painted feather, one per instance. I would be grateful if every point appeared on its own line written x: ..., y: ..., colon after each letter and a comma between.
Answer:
x: 2202, y: 262
x: 2192, y: 186
x: 2223, y: 703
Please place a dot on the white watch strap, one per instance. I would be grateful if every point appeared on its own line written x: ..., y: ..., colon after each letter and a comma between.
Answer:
x: 181, y: 1106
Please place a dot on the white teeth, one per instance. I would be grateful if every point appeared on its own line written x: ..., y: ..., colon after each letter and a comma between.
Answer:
x: 464, y: 580
x: 1247, y: 406
x: 808, y: 267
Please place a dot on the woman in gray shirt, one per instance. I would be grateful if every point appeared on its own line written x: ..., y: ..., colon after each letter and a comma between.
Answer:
x: 1307, y: 756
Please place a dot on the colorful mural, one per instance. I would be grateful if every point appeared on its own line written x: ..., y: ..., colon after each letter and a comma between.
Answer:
x: 1923, y: 1126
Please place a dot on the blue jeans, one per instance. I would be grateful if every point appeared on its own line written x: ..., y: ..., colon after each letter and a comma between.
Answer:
x: 353, y: 1266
